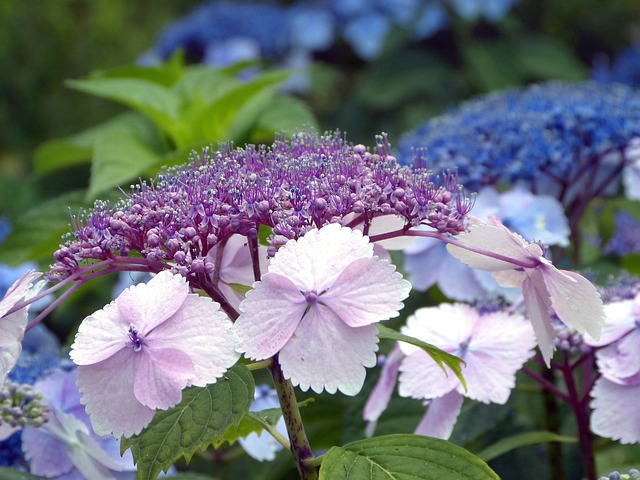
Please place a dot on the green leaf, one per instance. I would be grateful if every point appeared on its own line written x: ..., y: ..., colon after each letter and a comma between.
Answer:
x: 396, y: 457
x: 119, y: 157
x: 200, y: 419
x: 283, y: 114
x: 159, y: 103
x: 190, y: 476
x: 492, y: 64
x: 441, y: 357
x: 547, y: 58
x: 37, y: 233
x: 9, y: 474
x: 241, y: 289
x: 522, y: 440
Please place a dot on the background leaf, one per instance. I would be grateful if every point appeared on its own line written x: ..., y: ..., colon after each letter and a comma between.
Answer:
x: 520, y: 440
x: 403, y: 456
x: 9, y: 474
x: 201, y: 418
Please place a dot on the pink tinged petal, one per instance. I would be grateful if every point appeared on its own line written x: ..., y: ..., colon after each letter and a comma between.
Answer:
x: 108, y: 392
x: 621, y: 359
x: 422, y: 378
x: 616, y: 411
x: 17, y: 291
x: 537, y: 301
x: 494, y: 239
x: 620, y: 319
x: 326, y: 354
x: 575, y: 300
x: 269, y: 316
x: 500, y: 345
x: 367, y: 291
x: 204, y: 333
x: 510, y: 278
x: 100, y: 336
x: 12, y: 329
x: 441, y: 416
x: 314, y: 261
x: 147, y: 305
x: 386, y: 224
x: 381, y: 393
x: 161, y: 375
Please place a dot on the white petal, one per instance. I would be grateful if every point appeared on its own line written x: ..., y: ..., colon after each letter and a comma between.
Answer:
x: 441, y: 416
x: 619, y: 320
x: 575, y: 300
x: 100, y: 336
x: 326, y: 354
x: 368, y: 290
x: 537, y: 301
x: 422, y: 378
x: 314, y: 261
x: 381, y: 393
x: 269, y: 316
x: 616, y: 411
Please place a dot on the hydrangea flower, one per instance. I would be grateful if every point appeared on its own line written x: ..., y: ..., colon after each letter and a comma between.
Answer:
x: 317, y: 306
x: 13, y: 325
x: 624, y: 69
x: 618, y: 358
x: 626, y: 236
x: 535, y: 217
x: 573, y: 298
x: 262, y: 446
x: 66, y: 444
x: 564, y: 139
x: 139, y: 352
x: 494, y: 346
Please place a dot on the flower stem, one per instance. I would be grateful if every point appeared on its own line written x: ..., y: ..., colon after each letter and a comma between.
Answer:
x: 299, y: 444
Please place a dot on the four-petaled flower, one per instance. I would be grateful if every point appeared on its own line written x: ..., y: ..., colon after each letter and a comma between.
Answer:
x: 494, y: 346
x: 317, y: 306
x: 573, y: 298
x: 137, y: 354
x: 12, y: 326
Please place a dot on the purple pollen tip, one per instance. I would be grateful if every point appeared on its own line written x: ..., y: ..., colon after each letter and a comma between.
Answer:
x: 311, y: 297
x: 135, y: 340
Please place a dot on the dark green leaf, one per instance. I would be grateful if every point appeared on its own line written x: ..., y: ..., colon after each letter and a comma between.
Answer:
x: 521, y: 440
x: 546, y: 58
x: 283, y: 114
x: 200, y: 419
x: 441, y: 357
x: 492, y: 64
x: 9, y: 474
x: 396, y: 457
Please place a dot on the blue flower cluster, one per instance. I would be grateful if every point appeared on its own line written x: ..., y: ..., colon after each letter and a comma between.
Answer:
x: 222, y: 32
x: 624, y: 69
x: 564, y: 139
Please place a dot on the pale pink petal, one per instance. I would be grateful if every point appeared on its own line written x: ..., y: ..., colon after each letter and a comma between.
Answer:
x: 12, y: 329
x: 161, y: 375
x: 100, y: 336
x: 147, y: 305
x: 314, y: 261
x: 537, y: 301
x: 616, y: 411
x: 269, y: 316
x: 367, y: 291
x: 326, y: 354
x: 107, y: 389
x: 575, y: 300
x: 619, y: 320
x: 386, y: 224
x: 500, y: 345
x: 441, y: 416
x: 494, y: 239
x: 381, y: 393
x: 621, y: 359
x: 510, y: 278
x: 422, y: 378
x: 445, y: 326
x: 17, y: 291
x: 91, y: 461
x: 202, y: 331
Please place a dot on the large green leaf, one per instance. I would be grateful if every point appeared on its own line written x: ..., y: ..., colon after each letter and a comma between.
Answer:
x: 492, y: 64
x: 119, y: 157
x: 283, y: 114
x: 441, y: 357
x: 159, y: 103
x: 546, y: 58
x: 403, y: 457
x: 201, y: 418
x: 522, y: 440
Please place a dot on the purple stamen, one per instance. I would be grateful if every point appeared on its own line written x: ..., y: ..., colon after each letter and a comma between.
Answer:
x: 133, y: 336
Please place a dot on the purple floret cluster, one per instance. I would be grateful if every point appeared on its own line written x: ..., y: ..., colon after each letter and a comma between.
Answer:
x: 292, y: 187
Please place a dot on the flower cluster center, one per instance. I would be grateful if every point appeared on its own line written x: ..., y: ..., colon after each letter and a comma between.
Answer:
x: 135, y: 339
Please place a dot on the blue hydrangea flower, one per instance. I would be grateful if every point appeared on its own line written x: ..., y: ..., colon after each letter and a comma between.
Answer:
x: 564, y: 139
x: 626, y: 236
x: 5, y: 228
x: 625, y: 68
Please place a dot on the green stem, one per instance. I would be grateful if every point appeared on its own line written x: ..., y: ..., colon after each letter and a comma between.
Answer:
x: 299, y: 444
x: 259, y: 365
